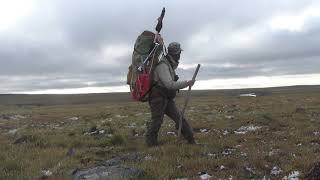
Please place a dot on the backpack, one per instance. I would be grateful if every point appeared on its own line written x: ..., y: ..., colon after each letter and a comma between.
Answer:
x: 145, y: 57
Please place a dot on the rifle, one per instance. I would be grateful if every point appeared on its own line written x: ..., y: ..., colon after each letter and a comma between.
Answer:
x: 158, y: 29
x: 159, y: 24
x: 186, y: 102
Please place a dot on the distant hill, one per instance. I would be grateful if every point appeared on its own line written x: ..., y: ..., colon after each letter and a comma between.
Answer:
x: 44, y: 99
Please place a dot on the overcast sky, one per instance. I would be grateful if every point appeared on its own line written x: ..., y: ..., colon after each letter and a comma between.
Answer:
x: 81, y: 46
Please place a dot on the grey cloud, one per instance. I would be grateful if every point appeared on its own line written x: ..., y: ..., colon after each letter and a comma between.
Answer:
x: 63, y: 41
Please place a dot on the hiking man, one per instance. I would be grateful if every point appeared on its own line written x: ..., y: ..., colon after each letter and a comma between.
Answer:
x: 161, y: 99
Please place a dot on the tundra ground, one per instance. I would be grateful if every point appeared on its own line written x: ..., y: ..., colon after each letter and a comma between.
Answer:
x: 273, y: 135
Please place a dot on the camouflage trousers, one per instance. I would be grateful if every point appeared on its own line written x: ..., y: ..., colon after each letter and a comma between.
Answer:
x: 160, y: 106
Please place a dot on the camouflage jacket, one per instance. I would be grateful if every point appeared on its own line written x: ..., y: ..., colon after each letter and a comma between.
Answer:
x: 164, y: 74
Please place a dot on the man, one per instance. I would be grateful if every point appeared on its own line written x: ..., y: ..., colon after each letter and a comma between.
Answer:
x: 161, y: 100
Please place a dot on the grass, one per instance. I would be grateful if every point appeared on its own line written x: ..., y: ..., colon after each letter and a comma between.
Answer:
x: 286, y: 138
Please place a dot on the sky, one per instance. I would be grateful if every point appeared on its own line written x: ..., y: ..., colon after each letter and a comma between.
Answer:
x: 85, y: 46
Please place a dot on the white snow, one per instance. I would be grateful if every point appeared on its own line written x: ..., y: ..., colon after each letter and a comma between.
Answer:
x: 183, y: 178
x: 245, y: 129
x: 74, y: 118
x: 225, y: 132
x: 46, y: 173
x: 204, y: 130
x: 120, y: 116
x: 205, y: 176
x: 248, y: 95
x: 243, y: 154
x: 16, y: 117
x: 250, y: 170
x: 171, y: 133
x: 292, y: 176
x: 132, y: 125
x: 148, y: 157
x: 275, y: 171
x: 228, y: 151
x: 229, y: 117
x: 13, y: 131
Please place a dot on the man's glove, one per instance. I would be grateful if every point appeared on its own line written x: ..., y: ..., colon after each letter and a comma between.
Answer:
x: 176, y: 78
x: 191, y: 82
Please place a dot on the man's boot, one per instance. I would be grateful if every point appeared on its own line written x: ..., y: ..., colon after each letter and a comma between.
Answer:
x: 151, y: 141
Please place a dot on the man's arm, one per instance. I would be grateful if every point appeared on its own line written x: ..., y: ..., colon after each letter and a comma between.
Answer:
x: 165, y: 77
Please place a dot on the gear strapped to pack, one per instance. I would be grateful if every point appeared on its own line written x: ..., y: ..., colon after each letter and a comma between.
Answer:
x: 147, y: 52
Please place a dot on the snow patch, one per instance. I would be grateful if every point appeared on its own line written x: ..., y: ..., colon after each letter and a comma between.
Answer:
x: 225, y: 132
x: 204, y: 175
x: 245, y: 129
x: 227, y: 151
x: 120, y: 116
x: 292, y: 176
x: 171, y: 133
x: 248, y: 95
x: 276, y: 171
x: 204, y: 130
x: 46, y: 173
x: 74, y: 118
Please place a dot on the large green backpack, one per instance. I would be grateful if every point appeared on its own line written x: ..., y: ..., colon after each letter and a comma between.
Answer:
x: 145, y: 57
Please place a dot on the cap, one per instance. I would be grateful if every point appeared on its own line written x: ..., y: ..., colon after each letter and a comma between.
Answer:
x: 174, y: 48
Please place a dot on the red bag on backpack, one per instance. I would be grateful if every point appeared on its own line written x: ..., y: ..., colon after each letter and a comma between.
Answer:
x: 142, y: 87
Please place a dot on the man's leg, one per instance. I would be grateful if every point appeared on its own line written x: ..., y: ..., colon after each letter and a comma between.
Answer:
x: 173, y: 112
x: 157, y: 107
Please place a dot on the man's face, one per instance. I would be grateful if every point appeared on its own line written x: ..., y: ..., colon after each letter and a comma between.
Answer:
x: 176, y: 56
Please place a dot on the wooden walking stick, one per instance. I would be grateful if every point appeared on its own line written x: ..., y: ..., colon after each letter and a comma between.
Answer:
x: 186, y: 102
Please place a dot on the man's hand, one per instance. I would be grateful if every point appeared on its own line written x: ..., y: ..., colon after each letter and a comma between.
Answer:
x: 191, y: 82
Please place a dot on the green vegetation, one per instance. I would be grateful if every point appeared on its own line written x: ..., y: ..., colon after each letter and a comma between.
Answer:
x: 286, y: 136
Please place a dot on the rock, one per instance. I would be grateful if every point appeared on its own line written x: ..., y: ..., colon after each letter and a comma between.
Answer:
x: 24, y: 139
x: 111, y: 169
x: 148, y: 157
x: 45, y: 173
x: 74, y: 118
x: 225, y: 132
x: 12, y: 131
x: 275, y: 171
x: 249, y: 170
x: 71, y: 152
x: 108, y: 172
x: 300, y: 110
x: 314, y: 172
x: 227, y: 151
x: 95, y: 131
x: 12, y: 117
x: 204, y: 175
